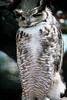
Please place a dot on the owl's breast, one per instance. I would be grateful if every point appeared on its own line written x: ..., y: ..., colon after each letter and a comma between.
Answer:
x: 35, y: 48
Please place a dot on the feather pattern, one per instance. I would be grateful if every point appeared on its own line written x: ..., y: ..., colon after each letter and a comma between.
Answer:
x: 39, y: 57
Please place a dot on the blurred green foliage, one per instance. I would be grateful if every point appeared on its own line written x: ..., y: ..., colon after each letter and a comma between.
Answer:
x: 9, y: 79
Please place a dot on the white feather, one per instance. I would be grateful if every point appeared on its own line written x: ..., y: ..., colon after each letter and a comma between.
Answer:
x: 58, y: 86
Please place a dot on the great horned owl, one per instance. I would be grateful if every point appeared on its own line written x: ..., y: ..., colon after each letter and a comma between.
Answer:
x: 39, y: 55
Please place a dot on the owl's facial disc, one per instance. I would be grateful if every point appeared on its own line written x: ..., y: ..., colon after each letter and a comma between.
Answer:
x: 29, y: 18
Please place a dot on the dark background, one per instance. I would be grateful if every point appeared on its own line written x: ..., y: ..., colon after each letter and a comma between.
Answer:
x: 10, y: 87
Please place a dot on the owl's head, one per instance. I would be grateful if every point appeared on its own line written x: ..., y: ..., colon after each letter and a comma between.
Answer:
x: 31, y: 17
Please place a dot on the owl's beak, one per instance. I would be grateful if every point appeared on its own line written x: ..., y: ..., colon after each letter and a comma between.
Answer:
x: 28, y: 20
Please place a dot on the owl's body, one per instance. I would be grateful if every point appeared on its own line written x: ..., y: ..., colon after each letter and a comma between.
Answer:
x: 39, y: 58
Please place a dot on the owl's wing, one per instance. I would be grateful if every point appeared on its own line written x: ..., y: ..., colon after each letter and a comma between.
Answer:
x: 59, y: 58
x: 58, y: 41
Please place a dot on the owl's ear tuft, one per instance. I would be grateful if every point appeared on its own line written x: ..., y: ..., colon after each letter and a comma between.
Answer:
x: 18, y: 12
x: 43, y: 4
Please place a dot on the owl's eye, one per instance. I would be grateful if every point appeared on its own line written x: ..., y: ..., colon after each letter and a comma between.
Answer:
x: 23, y: 18
x: 37, y: 15
x: 20, y: 16
x: 17, y: 15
